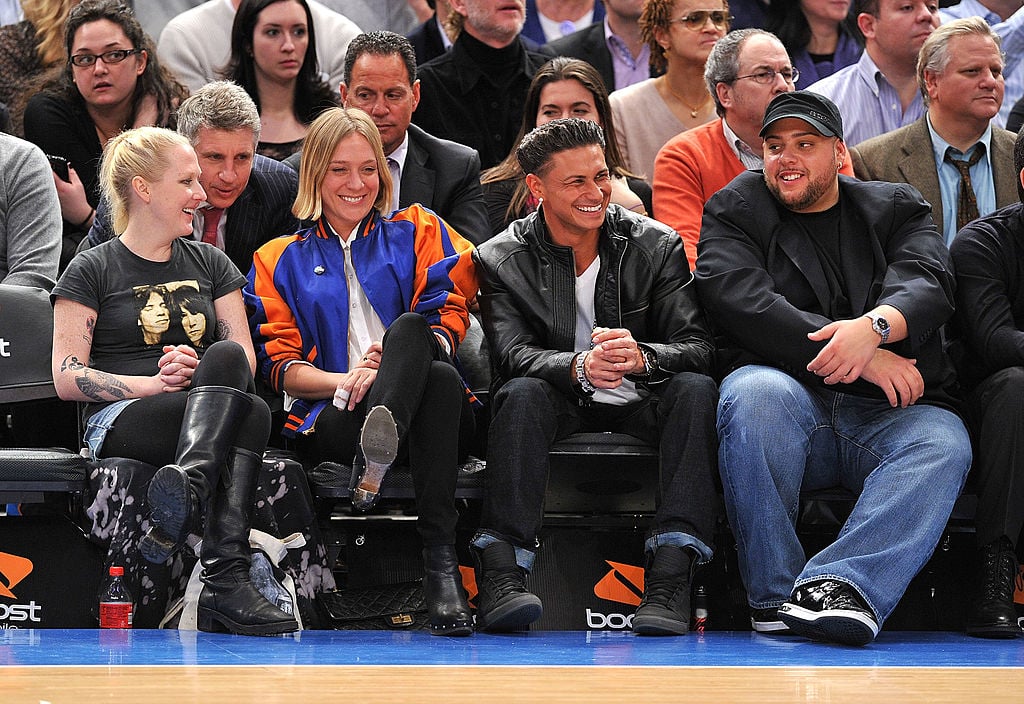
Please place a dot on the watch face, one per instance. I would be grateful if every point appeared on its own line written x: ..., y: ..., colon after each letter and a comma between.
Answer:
x: 882, y: 324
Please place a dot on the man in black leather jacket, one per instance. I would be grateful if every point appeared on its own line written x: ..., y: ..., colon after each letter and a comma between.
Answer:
x: 593, y: 325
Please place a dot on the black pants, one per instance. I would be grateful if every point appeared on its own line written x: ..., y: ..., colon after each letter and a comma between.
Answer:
x: 530, y: 414
x: 418, y: 384
x: 995, y: 414
x: 147, y: 430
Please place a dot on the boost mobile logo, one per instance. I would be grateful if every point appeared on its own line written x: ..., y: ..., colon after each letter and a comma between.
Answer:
x: 623, y: 583
x: 13, y: 569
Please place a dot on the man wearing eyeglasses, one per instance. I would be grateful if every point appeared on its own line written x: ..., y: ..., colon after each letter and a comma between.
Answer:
x: 879, y: 93
x: 745, y: 70
x: 826, y: 295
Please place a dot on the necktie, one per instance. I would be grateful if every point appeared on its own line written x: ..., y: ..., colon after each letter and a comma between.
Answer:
x: 396, y: 177
x: 211, y: 218
x: 967, y: 203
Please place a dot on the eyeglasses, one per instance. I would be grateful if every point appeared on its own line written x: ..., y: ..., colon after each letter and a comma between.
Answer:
x: 109, y: 57
x: 767, y: 76
x: 698, y: 18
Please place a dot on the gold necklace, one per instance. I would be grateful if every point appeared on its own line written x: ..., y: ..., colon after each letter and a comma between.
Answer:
x: 693, y: 110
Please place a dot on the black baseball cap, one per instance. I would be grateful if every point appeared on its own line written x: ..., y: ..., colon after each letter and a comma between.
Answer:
x: 816, y: 110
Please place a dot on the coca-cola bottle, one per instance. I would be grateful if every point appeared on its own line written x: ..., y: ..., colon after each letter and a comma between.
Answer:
x: 115, y: 601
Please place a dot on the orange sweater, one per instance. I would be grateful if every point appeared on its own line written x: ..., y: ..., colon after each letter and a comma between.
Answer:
x: 691, y: 168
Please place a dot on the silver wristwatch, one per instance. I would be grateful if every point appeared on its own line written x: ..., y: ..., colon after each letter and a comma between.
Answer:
x: 879, y: 325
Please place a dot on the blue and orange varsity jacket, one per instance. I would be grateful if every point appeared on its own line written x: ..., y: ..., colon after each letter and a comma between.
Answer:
x: 298, y: 299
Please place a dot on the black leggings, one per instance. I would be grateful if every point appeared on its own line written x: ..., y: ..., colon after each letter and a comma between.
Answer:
x: 147, y: 430
x: 424, y: 392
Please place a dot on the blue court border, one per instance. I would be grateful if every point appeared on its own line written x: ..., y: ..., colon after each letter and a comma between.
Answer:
x: 550, y: 648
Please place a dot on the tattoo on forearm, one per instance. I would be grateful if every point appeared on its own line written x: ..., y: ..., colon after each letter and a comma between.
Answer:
x: 71, y: 363
x: 100, y: 386
x: 223, y: 330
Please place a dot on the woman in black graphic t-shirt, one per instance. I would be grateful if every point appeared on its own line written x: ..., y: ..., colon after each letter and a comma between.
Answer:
x: 209, y: 440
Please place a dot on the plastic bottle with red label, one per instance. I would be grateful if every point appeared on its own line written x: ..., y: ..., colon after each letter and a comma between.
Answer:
x: 116, y: 604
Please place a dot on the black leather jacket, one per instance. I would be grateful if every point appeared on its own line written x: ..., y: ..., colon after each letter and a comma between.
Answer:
x: 528, y: 304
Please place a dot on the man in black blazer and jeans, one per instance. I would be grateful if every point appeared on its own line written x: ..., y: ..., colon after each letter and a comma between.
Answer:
x: 248, y: 197
x: 827, y: 295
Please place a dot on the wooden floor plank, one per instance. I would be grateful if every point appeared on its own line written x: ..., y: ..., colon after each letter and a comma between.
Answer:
x: 268, y: 684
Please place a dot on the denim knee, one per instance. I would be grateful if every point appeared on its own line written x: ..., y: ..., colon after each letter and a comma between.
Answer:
x: 755, y: 393
x: 522, y: 392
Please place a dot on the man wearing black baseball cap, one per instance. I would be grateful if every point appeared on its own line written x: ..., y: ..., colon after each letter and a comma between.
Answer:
x: 826, y: 295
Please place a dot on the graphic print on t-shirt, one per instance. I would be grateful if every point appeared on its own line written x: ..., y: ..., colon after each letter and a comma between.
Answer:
x: 173, y: 306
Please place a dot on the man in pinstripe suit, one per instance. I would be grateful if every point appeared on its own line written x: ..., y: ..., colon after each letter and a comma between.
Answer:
x: 248, y: 197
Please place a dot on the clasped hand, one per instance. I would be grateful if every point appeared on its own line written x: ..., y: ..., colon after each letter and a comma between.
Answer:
x: 177, y: 365
x: 614, y: 355
x: 852, y: 353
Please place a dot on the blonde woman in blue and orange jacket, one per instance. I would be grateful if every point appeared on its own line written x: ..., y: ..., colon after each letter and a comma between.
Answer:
x: 356, y: 321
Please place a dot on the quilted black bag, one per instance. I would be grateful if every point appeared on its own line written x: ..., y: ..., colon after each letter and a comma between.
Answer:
x: 389, y: 606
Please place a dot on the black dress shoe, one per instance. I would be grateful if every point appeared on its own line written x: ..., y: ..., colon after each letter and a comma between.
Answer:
x: 993, y: 614
x: 378, y: 447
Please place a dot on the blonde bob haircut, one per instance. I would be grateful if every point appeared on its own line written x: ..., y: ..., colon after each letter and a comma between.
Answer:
x: 318, y: 148
x: 143, y: 152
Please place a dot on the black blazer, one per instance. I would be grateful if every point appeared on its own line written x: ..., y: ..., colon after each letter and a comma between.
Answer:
x: 764, y: 288
x: 589, y: 45
x: 262, y: 212
x: 426, y: 41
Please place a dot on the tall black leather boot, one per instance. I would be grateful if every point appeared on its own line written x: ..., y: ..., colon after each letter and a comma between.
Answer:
x: 178, y: 492
x: 665, y: 607
x: 992, y: 614
x: 446, y: 599
x: 229, y: 601
x: 503, y: 603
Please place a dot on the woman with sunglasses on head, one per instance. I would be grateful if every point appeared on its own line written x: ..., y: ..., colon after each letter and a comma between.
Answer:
x: 112, y: 81
x: 819, y: 35
x: 648, y: 114
x: 273, y: 56
x: 562, y: 87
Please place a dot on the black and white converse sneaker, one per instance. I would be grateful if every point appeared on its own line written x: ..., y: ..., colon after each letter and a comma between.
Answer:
x: 832, y: 611
x: 767, y: 621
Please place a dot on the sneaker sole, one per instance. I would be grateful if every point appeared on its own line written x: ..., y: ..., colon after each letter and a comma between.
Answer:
x: 516, y: 615
x: 658, y: 626
x: 845, y: 627
x: 774, y: 628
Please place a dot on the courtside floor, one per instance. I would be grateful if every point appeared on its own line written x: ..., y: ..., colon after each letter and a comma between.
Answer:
x: 376, y: 666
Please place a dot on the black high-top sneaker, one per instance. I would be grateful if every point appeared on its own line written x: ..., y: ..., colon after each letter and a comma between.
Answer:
x: 503, y: 602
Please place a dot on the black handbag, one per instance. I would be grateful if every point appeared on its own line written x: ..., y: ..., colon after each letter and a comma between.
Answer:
x: 388, y: 606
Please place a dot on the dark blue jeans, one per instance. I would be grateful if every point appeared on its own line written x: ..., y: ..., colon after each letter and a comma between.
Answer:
x: 530, y: 414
